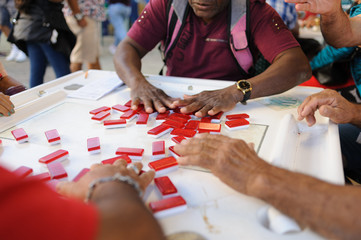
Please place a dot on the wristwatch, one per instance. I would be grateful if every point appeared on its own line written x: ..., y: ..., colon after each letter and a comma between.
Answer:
x: 78, y: 16
x: 246, y: 88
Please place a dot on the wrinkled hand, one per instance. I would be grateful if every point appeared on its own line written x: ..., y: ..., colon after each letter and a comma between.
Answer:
x: 233, y: 161
x: 330, y: 104
x: 317, y: 6
x: 210, y: 102
x: 79, y: 189
x: 151, y: 97
x: 6, y: 107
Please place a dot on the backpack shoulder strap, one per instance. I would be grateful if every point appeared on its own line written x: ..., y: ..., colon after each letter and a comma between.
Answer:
x: 177, y: 12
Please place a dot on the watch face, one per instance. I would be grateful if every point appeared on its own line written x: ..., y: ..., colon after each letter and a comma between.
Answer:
x: 244, y: 85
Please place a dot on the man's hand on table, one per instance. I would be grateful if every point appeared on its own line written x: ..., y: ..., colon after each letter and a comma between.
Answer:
x: 6, y: 107
x: 330, y: 104
x: 232, y: 160
x: 210, y: 102
x: 79, y: 189
x: 153, y: 98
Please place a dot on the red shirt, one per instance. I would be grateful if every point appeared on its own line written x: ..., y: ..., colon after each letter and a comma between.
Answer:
x: 31, y: 210
x: 196, y: 55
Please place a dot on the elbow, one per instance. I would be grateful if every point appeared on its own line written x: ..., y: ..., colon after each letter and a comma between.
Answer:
x: 304, y: 73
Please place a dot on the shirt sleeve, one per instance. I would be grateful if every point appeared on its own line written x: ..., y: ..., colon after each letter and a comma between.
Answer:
x: 151, y: 26
x: 31, y: 210
x: 269, y: 33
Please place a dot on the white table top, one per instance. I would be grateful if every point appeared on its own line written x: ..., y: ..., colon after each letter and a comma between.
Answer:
x: 214, y: 210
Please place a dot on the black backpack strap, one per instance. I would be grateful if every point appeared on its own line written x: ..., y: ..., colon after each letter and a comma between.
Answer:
x: 170, y: 32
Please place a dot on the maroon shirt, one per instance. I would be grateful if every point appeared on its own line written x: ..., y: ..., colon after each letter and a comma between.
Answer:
x: 203, y: 50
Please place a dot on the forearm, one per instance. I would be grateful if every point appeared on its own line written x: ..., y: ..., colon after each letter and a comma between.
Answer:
x: 123, y: 214
x: 327, y: 209
x: 74, y: 6
x: 288, y: 70
x: 128, y: 65
x: 338, y: 30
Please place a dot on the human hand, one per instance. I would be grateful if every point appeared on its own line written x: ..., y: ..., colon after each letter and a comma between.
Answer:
x: 317, y: 6
x: 330, y: 104
x: 80, y: 188
x: 210, y: 102
x: 6, y: 107
x: 233, y: 161
x: 151, y: 97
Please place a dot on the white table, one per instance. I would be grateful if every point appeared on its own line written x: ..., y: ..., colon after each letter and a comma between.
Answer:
x: 214, y: 210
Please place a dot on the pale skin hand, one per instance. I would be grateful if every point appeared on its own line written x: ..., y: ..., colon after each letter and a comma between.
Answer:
x: 6, y: 107
x: 330, y: 104
x: 210, y: 102
x: 233, y: 161
x: 79, y: 189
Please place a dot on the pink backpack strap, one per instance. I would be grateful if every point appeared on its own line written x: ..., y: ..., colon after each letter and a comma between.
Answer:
x: 239, y: 45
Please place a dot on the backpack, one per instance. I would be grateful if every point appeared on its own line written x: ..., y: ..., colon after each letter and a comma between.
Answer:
x: 238, y: 32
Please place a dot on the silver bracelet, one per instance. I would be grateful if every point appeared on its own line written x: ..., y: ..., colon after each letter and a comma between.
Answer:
x: 116, y: 177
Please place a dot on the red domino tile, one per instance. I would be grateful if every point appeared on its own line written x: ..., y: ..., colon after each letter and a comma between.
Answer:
x: 206, y: 119
x: 101, y: 116
x: 80, y: 174
x: 237, y: 116
x: 19, y: 134
x: 128, y: 104
x: 173, y: 124
x: 163, y: 163
x: 41, y: 177
x: 52, y: 136
x: 130, y: 151
x: 158, y: 148
x: 57, y: 171
x: 162, y: 116
x: 217, y: 117
x: 120, y: 108
x: 167, y: 203
x: 115, y: 123
x: 93, y: 144
x: 165, y: 186
x: 189, y: 133
x: 178, y: 139
x: 57, y: 155
x: 178, y: 119
x: 130, y: 114
x: 112, y: 160
x: 159, y: 130
x: 209, y: 127
x: 23, y: 171
x: 143, y: 119
x: 192, y: 124
x: 98, y: 110
x: 237, y: 123
x: 181, y: 115
x: 177, y: 110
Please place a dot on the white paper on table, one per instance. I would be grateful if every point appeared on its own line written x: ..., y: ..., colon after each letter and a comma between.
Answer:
x: 97, y: 89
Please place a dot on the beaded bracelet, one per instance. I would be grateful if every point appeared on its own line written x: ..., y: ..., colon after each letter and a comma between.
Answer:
x: 117, y: 177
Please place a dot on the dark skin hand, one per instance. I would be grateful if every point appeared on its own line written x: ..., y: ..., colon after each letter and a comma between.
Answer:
x: 210, y: 102
x: 151, y: 97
